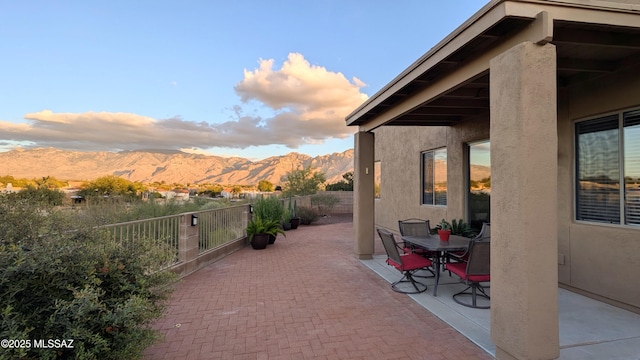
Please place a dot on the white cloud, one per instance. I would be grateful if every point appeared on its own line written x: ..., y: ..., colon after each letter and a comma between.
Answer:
x: 309, y: 105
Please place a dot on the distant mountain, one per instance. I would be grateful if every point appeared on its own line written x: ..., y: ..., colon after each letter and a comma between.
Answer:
x: 170, y: 167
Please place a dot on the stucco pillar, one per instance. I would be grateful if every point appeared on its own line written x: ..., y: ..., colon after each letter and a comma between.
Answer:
x: 363, y: 195
x: 524, y: 167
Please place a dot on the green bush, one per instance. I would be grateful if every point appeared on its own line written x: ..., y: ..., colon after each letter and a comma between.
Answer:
x: 80, y: 285
x: 268, y: 208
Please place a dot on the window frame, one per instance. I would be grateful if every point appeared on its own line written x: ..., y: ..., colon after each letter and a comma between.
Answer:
x: 434, y: 198
x: 622, y: 193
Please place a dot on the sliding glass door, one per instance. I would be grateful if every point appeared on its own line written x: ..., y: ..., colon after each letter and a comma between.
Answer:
x: 479, y: 197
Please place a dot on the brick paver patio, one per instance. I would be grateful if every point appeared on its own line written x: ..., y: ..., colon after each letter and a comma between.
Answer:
x: 305, y: 297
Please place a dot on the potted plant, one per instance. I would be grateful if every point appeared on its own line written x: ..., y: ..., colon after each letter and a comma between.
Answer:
x: 295, y: 220
x: 269, y: 208
x: 259, y: 231
x: 286, y: 219
x: 444, y: 230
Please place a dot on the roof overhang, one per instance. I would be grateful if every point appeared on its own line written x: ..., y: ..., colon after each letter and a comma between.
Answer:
x: 450, y: 83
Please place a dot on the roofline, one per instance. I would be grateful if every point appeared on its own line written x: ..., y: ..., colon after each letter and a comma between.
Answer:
x: 496, y: 6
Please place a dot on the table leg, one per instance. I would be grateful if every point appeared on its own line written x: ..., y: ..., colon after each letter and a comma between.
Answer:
x: 437, y: 269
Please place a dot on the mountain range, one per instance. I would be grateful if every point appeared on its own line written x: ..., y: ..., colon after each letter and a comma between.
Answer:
x: 168, y: 166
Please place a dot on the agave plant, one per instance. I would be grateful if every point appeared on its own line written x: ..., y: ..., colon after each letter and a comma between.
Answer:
x: 459, y: 227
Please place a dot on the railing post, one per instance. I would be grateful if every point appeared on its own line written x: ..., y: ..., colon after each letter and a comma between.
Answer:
x: 187, y: 242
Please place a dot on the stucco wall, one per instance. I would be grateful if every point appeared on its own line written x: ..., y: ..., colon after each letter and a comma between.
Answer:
x: 598, y: 258
x: 398, y: 149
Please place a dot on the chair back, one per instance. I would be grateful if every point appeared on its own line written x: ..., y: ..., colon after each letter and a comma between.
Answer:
x: 389, y: 242
x: 479, y: 262
x: 414, y: 227
x: 485, y: 233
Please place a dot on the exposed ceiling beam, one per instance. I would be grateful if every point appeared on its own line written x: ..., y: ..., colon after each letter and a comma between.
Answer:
x: 586, y: 65
x: 628, y: 40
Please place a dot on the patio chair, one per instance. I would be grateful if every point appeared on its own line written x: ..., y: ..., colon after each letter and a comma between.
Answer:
x: 415, y: 227
x: 483, y: 235
x: 407, y: 264
x: 473, y: 272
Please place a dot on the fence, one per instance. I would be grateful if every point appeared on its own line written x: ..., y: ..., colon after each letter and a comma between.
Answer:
x: 195, y: 239
x: 344, y: 205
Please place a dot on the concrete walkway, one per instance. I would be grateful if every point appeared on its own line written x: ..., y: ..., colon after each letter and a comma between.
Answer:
x: 305, y: 297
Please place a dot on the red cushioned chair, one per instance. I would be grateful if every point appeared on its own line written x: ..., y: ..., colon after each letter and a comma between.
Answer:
x: 473, y: 271
x: 414, y: 227
x: 407, y: 264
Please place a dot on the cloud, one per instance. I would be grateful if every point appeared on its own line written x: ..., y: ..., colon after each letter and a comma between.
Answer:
x: 308, y: 104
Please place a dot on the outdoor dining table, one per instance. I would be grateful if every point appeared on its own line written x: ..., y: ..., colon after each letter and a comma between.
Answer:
x: 433, y: 243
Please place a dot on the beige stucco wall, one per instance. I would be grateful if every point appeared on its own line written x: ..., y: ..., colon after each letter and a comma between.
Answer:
x: 598, y: 258
x: 398, y: 149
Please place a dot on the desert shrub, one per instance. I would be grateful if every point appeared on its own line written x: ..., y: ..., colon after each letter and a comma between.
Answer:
x: 307, y: 215
x: 81, y: 285
x: 324, y: 202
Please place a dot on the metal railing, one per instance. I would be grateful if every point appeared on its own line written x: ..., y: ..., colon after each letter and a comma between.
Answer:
x: 164, y: 230
x: 215, y: 228
x: 221, y: 226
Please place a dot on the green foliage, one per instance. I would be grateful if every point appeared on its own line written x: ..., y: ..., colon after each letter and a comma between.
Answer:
x: 324, y: 202
x: 461, y: 228
x: 111, y: 185
x: 307, y: 215
x: 302, y: 182
x: 268, y: 208
x: 265, y: 186
x: 457, y: 227
x: 42, y: 195
x: 259, y: 225
x: 80, y: 285
x: 343, y: 185
x: 443, y: 225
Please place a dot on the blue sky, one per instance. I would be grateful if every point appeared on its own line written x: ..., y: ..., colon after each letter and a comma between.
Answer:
x: 245, y: 78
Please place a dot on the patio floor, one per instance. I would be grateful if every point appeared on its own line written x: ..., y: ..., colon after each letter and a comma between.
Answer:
x: 304, y: 297
x: 307, y: 297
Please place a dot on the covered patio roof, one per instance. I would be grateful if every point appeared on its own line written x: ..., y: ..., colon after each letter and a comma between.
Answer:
x: 450, y: 83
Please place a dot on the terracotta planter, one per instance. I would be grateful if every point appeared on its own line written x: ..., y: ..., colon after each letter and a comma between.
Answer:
x: 260, y: 241
x: 444, y: 235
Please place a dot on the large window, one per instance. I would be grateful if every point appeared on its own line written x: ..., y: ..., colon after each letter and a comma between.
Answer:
x: 608, y: 155
x: 434, y: 177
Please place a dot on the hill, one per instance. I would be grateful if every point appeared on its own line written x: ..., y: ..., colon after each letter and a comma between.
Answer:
x: 170, y: 167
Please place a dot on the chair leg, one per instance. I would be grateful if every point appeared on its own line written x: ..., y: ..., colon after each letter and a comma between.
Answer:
x: 408, y: 278
x: 477, y: 291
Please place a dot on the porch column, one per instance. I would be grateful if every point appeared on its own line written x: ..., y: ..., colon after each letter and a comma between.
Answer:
x: 363, y: 193
x: 524, y: 166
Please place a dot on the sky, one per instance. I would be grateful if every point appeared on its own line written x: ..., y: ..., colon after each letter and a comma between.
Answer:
x: 231, y: 78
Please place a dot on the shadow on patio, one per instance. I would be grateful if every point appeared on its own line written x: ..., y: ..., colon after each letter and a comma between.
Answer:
x: 305, y: 297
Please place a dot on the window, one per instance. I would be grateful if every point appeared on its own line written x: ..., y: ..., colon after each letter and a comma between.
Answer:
x: 434, y: 177
x: 608, y: 155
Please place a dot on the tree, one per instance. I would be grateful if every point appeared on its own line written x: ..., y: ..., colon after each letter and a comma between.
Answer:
x: 236, y: 190
x: 344, y: 185
x: 302, y: 182
x: 42, y: 195
x: 111, y: 185
x: 265, y: 186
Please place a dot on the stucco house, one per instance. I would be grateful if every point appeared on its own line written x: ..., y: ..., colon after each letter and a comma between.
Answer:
x: 527, y: 116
